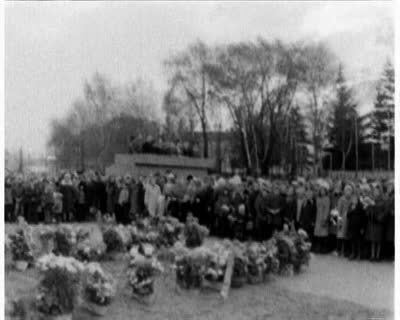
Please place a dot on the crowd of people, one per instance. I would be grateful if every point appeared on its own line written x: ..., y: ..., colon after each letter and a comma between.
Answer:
x: 354, y: 219
x: 160, y: 145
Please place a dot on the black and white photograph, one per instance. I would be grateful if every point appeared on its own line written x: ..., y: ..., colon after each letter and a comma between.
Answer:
x: 210, y: 160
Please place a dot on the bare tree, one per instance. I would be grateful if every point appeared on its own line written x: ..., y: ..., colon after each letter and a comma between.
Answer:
x: 319, y: 78
x: 188, y: 70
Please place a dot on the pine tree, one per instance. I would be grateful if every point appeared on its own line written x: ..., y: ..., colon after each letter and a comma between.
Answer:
x: 383, y: 114
x: 343, y: 119
x: 298, y: 140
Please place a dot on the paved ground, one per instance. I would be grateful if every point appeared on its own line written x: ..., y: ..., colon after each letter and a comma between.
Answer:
x: 368, y: 283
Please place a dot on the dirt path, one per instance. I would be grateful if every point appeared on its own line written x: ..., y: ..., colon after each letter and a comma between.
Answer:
x: 362, y: 282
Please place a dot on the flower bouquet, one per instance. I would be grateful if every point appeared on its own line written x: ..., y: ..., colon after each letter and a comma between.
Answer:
x: 286, y: 252
x: 240, y: 271
x: 256, y: 254
x: 82, y: 235
x: 20, y: 250
x: 144, y: 231
x: 271, y: 258
x: 98, y: 288
x: 216, y: 261
x: 64, y: 241
x: 114, y: 242
x: 303, y: 248
x: 194, y: 233
x: 141, y: 273
x: 191, y: 266
x: 334, y: 217
x: 46, y: 236
x: 169, y: 229
x: 59, y: 286
x: 86, y: 252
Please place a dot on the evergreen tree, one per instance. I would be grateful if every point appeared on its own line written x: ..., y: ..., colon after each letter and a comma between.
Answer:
x: 383, y: 114
x: 298, y: 141
x: 343, y: 119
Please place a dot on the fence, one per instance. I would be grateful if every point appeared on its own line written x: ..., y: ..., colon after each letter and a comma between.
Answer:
x: 377, y: 174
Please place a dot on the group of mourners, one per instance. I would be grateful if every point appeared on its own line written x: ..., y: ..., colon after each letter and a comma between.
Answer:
x: 353, y: 218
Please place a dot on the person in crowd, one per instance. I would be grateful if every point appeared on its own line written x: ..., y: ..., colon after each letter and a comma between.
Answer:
x: 8, y: 201
x: 222, y: 210
x: 69, y: 197
x: 356, y: 219
x: 389, y: 221
x: 253, y: 192
x: 29, y: 201
x: 263, y: 222
x: 376, y: 213
x: 289, y: 209
x: 123, y: 204
x: 48, y: 200
x: 275, y: 204
x: 171, y: 196
x: 81, y: 205
x: 321, y: 229
x: 306, y: 220
x: 206, y: 197
x: 152, y: 196
x: 100, y: 193
x: 57, y: 204
x: 112, y: 194
x: 133, y: 205
x: 343, y: 208
x: 141, y: 207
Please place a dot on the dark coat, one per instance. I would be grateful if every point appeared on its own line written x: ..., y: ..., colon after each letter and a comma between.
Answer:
x: 307, y: 216
x: 70, y: 196
x: 356, y: 221
x: 389, y: 222
x: 376, y: 220
x: 289, y: 210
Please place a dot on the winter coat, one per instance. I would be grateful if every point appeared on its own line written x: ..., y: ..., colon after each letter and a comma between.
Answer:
x: 356, y: 221
x: 321, y: 228
x: 307, y: 215
x: 376, y: 219
x: 289, y: 210
x: 343, y: 207
x: 152, y: 198
x: 69, y: 197
x: 112, y: 196
x: 389, y: 221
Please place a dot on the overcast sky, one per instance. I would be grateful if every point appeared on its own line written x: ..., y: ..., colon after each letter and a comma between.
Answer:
x: 52, y: 47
